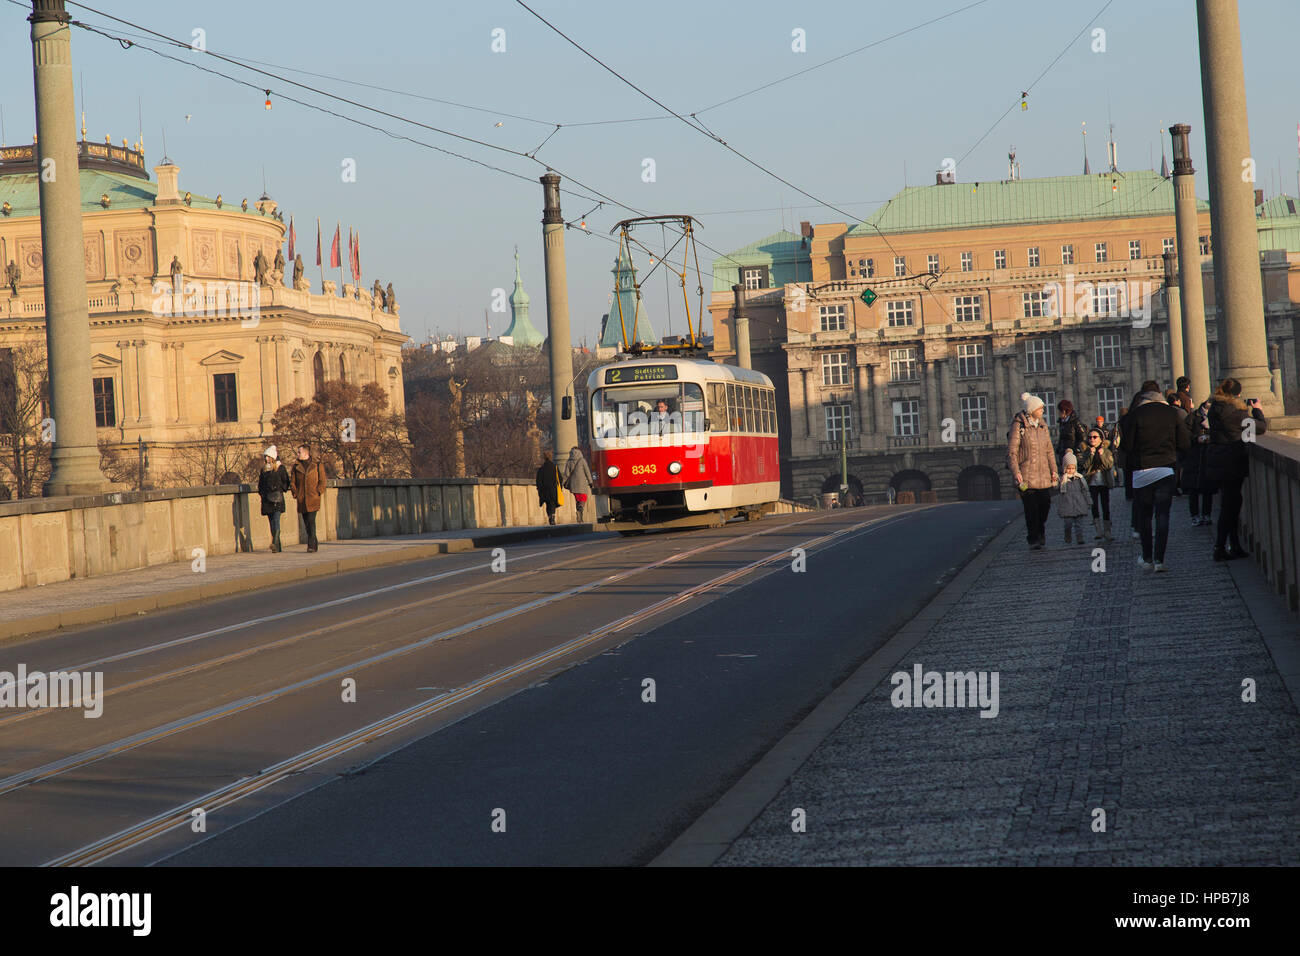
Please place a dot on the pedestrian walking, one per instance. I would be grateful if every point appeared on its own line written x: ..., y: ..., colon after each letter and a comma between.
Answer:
x: 1075, y: 501
x: 1193, y: 478
x: 577, y: 478
x: 1069, y: 430
x: 1097, y: 465
x: 272, y: 483
x: 549, y: 495
x: 1154, y: 433
x: 1184, y: 390
x: 1122, y: 459
x: 308, y: 485
x: 1228, y: 459
x: 1032, y: 461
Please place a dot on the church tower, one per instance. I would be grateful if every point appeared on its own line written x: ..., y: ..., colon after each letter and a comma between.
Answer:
x: 521, y: 329
x: 625, y: 284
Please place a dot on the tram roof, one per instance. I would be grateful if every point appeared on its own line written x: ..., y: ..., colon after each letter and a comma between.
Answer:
x: 698, y: 368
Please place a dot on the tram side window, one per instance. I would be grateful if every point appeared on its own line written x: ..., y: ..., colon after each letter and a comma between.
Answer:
x: 767, y: 412
x: 717, y: 410
x: 750, y: 424
x: 771, y: 413
x: 735, y: 412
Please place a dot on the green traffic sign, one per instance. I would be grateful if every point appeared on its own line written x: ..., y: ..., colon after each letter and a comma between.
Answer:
x: 868, y: 296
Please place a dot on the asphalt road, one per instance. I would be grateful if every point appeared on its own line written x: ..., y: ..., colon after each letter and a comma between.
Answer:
x: 442, y: 712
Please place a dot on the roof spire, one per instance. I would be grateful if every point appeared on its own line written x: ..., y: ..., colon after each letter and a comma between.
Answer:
x: 1086, y: 170
x: 1164, y: 163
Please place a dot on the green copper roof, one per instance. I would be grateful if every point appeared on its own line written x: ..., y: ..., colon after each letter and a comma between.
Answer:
x: 521, y: 329
x: 784, y: 254
x: 1051, y: 199
x: 22, y: 192
x: 626, y: 297
x: 1278, y: 222
x: 1279, y: 207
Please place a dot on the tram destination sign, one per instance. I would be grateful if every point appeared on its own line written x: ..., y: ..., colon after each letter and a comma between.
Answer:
x: 629, y: 375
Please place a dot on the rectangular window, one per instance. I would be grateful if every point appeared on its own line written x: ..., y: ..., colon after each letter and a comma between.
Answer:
x: 1166, y: 245
x: 735, y: 413
x: 1067, y: 255
x: 902, y: 365
x: 1034, y: 305
x: 932, y: 263
x: 871, y: 267
x: 223, y: 388
x: 999, y: 258
x: 752, y: 278
x: 769, y: 408
x: 751, y: 413
x: 966, y: 308
x: 974, y: 413
x: 105, y: 407
x: 1105, y: 300
x: 900, y: 265
x: 1135, y: 248
x: 967, y: 262
x: 1039, y: 356
x: 835, y: 368
x: 1109, y: 401
x: 832, y: 318
x: 1106, y: 351
x: 898, y: 312
x: 1032, y: 255
x: 839, y: 420
x: 907, y: 417
x: 1205, y: 245
x: 1100, y: 251
x: 970, y: 359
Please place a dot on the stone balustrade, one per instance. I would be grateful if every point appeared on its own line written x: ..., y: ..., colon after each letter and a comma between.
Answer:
x: 1270, y: 517
x: 44, y: 540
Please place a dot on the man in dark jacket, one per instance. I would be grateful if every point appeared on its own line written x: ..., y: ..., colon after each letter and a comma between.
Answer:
x: 1154, y: 434
x: 1070, y: 435
x: 548, y: 487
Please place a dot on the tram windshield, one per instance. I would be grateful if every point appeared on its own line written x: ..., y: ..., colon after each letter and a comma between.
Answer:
x: 664, y: 408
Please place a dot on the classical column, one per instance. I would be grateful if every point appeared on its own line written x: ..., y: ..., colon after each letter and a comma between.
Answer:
x: 1191, y: 282
x: 931, y: 403
x: 863, y: 387
x: 74, y: 459
x: 1173, y: 306
x: 1242, y: 331
x: 741, y: 323
x: 565, y: 431
x: 884, y: 420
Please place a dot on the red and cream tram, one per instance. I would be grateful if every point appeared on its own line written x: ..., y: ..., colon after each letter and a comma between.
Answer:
x: 679, y: 442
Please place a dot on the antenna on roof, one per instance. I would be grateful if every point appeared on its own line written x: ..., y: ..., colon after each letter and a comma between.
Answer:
x: 1086, y: 170
x: 1112, y: 151
x: 1013, y: 168
x: 165, y: 160
x: 1164, y: 163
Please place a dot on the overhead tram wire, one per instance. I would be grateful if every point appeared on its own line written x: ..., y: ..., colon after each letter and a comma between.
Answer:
x: 836, y: 59
x: 695, y: 124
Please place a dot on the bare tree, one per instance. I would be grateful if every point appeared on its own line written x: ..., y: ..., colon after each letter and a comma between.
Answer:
x: 350, y: 427
x: 26, y: 437
x: 211, y: 453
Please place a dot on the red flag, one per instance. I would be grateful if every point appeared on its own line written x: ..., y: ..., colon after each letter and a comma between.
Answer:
x: 335, y: 259
x: 318, y: 260
x: 292, y: 237
x: 356, y: 258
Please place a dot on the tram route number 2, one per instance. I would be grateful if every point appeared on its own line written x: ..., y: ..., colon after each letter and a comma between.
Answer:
x: 644, y: 469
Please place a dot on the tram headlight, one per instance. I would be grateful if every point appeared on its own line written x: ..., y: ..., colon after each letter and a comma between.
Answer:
x: 612, y: 471
x: 674, y: 467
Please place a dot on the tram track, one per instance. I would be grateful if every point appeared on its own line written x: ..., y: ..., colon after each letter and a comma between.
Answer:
x: 232, y: 792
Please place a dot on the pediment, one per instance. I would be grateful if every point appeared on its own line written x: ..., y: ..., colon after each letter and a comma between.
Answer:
x: 102, y: 361
x: 222, y: 357
x: 297, y: 355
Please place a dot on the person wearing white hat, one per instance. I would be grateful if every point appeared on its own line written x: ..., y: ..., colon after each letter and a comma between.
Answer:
x: 272, y: 483
x: 1032, y: 461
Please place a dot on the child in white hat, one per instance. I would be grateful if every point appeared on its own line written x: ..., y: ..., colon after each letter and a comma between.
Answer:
x: 1076, y: 502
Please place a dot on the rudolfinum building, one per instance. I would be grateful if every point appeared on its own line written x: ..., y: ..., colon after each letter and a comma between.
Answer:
x: 982, y: 291
x: 199, y: 327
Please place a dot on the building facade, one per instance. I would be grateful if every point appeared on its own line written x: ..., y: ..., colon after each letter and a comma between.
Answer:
x: 197, y: 319
x: 910, y: 338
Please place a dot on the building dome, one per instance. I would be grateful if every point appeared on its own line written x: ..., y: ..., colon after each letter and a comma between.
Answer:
x: 521, y: 330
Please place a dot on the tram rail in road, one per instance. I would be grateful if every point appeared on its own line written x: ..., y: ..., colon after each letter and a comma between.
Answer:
x: 517, y: 673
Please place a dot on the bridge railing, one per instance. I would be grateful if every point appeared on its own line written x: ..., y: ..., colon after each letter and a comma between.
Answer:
x: 1270, y: 516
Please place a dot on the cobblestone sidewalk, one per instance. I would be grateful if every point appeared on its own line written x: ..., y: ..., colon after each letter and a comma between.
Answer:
x: 1120, y: 691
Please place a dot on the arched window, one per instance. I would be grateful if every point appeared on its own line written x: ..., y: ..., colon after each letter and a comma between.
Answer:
x: 343, y: 369
x: 318, y: 369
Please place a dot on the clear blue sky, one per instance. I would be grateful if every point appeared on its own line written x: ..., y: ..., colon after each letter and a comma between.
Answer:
x: 443, y: 231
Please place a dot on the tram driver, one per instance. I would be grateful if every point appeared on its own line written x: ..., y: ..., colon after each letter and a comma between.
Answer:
x: 662, y: 420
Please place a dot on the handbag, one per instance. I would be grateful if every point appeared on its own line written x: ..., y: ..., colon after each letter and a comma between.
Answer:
x: 559, y: 489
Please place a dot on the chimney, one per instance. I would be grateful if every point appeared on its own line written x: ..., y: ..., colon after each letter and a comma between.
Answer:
x: 805, y: 229
x: 1259, y: 198
x: 168, y: 174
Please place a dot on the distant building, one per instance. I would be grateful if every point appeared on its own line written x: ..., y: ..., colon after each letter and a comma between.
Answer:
x: 983, y: 291
x: 627, y: 313
x: 183, y: 334
x: 521, y: 331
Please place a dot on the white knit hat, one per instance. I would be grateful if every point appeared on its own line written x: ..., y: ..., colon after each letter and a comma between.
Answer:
x: 271, y: 453
x: 1031, y: 401
x: 1069, y: 461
